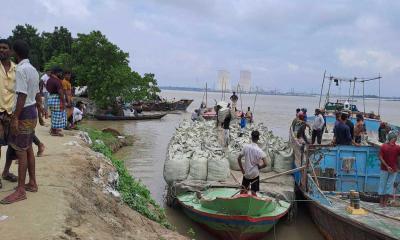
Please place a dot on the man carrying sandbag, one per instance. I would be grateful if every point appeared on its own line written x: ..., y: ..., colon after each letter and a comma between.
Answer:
x: 255, y: 159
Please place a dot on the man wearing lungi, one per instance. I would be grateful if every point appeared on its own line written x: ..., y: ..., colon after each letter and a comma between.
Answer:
x: 23, y: 123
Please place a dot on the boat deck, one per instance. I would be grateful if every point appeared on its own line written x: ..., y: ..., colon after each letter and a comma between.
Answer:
x: 275, y: 208
x: 385, y: 220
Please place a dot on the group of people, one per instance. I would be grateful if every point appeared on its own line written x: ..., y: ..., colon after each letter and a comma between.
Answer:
x: 56, y: 88
x: 317, y: 128
x: 22, y: 106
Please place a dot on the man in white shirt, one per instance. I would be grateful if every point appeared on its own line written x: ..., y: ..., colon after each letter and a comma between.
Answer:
x: 255, y: 159
x: 317, y: 127
x: 23, y: 123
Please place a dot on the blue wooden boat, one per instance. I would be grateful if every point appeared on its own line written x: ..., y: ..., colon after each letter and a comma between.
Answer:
x: 331, y: 173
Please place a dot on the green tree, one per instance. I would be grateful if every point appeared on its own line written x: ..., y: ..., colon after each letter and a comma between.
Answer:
x: 56, y: 43
x: 30, y: 34
x: 103, y: 67
x: 152, y: 87
x: 63, y: 60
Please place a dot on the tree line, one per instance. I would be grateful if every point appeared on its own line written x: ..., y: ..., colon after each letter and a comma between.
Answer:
x: 95, y: 62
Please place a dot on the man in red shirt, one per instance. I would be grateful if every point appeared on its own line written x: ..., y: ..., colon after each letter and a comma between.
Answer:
x: 388, y: 156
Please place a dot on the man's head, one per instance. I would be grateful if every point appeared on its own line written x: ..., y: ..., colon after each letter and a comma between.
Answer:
x: 297, y: 111
x: 5, y: 50
x: 317, y: 111
x: 304, y: 110
x: 337, y: 115
x: 67, y: 75
x: 248, y: 108
x: 57, y: 71
x: 344, y: 116
x: 255, y: 136
x: 21, y: 49
x: 234, y: 93
x: 392, y: 136
x: 300, y: 115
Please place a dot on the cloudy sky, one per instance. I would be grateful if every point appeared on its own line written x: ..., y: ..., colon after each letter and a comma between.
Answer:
x: 285, y: 44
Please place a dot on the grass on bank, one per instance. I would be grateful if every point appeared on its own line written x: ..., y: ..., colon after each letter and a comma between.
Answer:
x: 133, y: 192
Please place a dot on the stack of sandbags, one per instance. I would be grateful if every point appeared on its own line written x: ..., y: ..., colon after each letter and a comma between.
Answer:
x: 195, y: 152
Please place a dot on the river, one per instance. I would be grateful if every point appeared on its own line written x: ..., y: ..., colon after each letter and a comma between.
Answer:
x: 145, y: 159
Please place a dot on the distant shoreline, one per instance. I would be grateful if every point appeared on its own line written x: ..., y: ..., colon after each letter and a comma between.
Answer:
x: 272, y: 93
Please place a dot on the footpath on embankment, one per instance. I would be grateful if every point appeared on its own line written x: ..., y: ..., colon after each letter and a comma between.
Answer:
x: 72, y: 201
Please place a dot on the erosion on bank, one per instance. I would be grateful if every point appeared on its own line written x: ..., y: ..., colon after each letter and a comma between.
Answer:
x: 133, y: 192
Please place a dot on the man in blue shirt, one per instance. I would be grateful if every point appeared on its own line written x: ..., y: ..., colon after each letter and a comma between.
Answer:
x: 342, y: 132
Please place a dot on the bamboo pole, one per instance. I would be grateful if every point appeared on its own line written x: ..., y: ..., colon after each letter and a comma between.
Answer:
x: 363, y: 82
x: 322, y: 88
x: 379, y: 105
x: 283, y: 173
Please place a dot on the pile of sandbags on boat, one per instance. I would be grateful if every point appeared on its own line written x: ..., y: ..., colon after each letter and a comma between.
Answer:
x: 195, y: 152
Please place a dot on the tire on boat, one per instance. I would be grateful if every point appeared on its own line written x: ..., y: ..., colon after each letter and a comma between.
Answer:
x: 292, y: 214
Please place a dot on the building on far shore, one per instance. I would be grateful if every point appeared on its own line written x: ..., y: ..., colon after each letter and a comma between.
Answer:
x: 245, y: 80
x: 223, y: 81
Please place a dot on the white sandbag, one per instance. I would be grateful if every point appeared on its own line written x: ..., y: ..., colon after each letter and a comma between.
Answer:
x: 198, y: 167
x: 218, y: 169
x: 269, y: 162
x: 176, y: 168
x: 222, y: 114
x: 232, y: 158
x: 283, y: 160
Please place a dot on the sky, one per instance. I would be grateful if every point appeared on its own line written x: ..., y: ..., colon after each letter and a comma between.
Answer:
x: 284, y: 44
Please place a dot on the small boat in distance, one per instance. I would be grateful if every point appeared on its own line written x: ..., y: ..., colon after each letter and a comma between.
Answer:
x: 137, y: 117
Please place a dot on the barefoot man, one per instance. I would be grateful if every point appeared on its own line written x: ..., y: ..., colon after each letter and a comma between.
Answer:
x: 7, y: 83
x: 255, y: 159
x: 388, y: 155
x: 23, y: 123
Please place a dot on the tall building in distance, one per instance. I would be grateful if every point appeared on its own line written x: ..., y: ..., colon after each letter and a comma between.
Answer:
x: 223, y: 81
x: 245, y: 81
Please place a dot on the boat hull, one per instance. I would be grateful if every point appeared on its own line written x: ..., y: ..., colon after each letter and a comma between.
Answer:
x: 333, y: 226
x: 232, y: 228
x: 120, y: 118
x: 183, y: 104
x: 332, y: 222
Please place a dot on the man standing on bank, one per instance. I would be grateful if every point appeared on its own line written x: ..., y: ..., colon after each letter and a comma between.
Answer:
x: 7, y: 84
x: 254, y: 160
x: 388, y: 155
x: 23, y: 123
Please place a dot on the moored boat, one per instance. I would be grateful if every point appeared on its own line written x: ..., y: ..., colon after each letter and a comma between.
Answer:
x: 230, y: 215
x: 332, y: 173
x: 138, y: 117
x: 183, y: 104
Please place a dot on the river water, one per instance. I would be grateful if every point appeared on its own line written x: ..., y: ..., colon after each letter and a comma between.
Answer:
x: 145, y: 159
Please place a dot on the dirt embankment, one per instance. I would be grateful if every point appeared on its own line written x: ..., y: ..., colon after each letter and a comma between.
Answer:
x: 72, y: 202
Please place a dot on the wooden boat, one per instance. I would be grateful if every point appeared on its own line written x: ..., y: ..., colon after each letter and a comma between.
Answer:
x: 138, y: 117
x: 331, y: 172
x: 230, y: 215
x: 183, y: 104
x: 180, y: 105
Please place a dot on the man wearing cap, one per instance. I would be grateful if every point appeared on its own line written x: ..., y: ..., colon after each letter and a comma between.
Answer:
x: 388, y: 155
x: 300, y: 128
